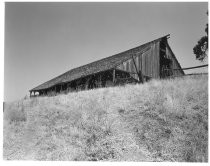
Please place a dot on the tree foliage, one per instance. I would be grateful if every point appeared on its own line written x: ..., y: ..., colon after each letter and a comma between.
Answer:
x: 201, y: 48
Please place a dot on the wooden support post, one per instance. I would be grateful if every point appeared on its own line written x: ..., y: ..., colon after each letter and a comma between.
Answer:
x: 114, y: 76
x: 67, y: 87
x: 30, y: 93
x: 138, y: 72
x: 141, y: 77
x: 102, y: 79
x: 87, y: 83
x: 99, y: 80
x: 76, y: 85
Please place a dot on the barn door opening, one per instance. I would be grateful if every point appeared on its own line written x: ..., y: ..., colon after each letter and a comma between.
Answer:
x: 165, y: 62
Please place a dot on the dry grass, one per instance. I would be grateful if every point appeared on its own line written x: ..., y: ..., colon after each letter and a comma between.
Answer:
x: 158, y: 121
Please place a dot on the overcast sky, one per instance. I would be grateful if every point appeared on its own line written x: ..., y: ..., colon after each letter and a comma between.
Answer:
x: 43, y: 40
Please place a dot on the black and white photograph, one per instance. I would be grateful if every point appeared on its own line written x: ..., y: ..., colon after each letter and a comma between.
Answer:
x: 105, y: 82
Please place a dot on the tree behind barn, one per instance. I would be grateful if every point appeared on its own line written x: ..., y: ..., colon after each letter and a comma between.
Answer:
x: 201, y: 48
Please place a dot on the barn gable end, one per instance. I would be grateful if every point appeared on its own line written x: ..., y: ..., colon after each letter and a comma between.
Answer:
x: 146, y: 62
x: 175, y: 63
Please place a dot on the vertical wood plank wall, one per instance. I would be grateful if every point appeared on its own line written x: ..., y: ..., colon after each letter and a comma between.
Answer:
x: 147, y: 63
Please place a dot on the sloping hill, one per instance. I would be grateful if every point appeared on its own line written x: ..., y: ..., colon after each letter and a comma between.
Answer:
x: 163, y: 120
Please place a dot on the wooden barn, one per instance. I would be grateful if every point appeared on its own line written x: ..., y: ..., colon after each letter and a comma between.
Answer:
x: 154, y: 59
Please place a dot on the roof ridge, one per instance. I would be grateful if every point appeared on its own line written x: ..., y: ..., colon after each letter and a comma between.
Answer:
x: 119, y: 53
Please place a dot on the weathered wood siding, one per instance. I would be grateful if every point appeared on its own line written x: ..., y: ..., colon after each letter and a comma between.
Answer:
x: 147, y: 62
x: 175, y: 64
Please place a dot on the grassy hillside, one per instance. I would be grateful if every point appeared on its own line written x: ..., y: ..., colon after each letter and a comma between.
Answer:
x: 158, y: 121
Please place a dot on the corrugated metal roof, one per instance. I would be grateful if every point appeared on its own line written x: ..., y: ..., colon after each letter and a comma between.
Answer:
x: 94, y: 67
